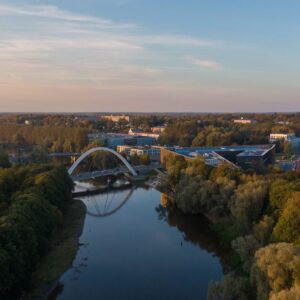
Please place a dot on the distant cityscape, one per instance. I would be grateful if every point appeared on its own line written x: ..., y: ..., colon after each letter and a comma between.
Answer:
x: 138, y: 141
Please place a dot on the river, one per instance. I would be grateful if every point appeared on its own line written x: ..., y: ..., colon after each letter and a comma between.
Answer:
x: 133, y: 247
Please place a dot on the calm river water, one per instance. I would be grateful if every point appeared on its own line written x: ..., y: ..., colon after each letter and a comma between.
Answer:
x: 132, y: 247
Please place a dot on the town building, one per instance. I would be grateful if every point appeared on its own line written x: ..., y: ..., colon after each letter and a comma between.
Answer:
x: 283, y: 122
x: 158, y: 129
x: 124, y: 149
x: 255, y: 157
x: 286, y: 137
x: 281, y: 136
x: 140, y: 132
x: 135, y: 131
x: 153, y: 152
x: 116, y: 118
x: 244, y: 121
x: 113, y: 140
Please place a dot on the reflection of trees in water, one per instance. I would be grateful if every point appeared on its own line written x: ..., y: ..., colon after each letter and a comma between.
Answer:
x: 196, y: 229
x: 58, y: 289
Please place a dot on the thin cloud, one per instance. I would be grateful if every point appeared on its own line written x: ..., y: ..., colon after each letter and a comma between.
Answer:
x: 179, y: 40
x: 47, y: 44
x: 53, y: 12
x: 207, y: 64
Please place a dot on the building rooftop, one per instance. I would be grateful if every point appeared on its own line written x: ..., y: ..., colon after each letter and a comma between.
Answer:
x: 122, y: 135
x: 214, y: 156
x: 253, y: 153
x: 193, y: 151
x: 136, y: 130
x: 117, y: 135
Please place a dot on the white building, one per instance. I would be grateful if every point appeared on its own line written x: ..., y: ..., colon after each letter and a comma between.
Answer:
x: 158, y: 129
x: 281, y: 137
x: 153, y: 152
x: 116, y: 118
x: 123, y: 149
x: 244, y: 121
x: 140, y: 132
x: 287, y: 137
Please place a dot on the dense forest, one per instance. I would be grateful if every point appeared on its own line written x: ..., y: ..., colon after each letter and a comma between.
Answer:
x: 56, y: 139
x: 256, y: 216
x: 33, y: 200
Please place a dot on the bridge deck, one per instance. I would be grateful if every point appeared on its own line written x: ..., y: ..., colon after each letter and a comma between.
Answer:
x: 110, y: 172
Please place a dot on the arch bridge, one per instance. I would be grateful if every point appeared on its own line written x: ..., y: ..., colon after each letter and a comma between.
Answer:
x: 96, y: 149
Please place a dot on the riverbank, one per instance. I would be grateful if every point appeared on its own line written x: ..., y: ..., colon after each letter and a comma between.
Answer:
x: 64, y: 246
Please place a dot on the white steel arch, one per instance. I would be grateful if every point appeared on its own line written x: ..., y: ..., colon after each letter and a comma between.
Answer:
x: 89, y: 152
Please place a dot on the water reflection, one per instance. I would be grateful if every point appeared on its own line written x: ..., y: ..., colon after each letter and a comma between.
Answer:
x: 58, y: 289
x: 144, y: 251
x: 106, y: 204
x: 196, y: 229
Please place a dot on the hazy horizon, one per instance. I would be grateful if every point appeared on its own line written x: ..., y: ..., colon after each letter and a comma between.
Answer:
x: 149, y: 56
x: 144, y: 112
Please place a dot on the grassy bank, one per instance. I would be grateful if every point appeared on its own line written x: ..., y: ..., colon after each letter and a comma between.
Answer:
x: 63, y: 248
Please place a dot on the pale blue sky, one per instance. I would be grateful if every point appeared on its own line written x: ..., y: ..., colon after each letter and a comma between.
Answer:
x: 150, y: 55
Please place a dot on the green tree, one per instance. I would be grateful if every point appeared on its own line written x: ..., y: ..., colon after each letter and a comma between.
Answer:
x: 68, y: 146
x: 185, y: 140
x: 247, y: 203
x: 134, y: 159
x: 175, y: 166
x: 37, y: 196
x: 39, y: 155
x: 197, y: 167
x: 195, y: 195
x: 280, y: 191
x: 199, y: 140
x: 287, y: 294
x: 104, y: 160
x: 287, y: 228
x: 18, y: 139
x: 145, y: 159
x: 4, y: 160
x: 287, y: 149
x: 230, y: 288
x: 225, y: 170
x: 263, y: 230
x: 245, y: 247
x: 276, y: 268
x: 213, y: 138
